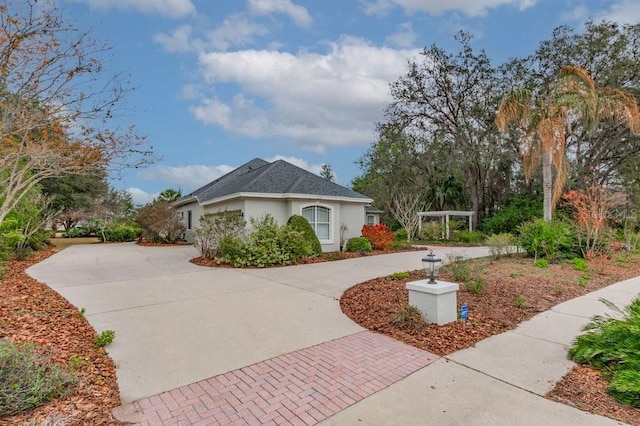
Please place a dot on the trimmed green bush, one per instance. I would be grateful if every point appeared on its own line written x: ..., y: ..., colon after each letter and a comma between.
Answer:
x: 300, y: 224
x: 121, y: 233
x: 268, y: 244
x: 358, y: 244
x: 28, y: 378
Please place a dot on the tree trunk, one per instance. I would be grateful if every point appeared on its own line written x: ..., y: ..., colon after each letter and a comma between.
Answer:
x: 547, y: 184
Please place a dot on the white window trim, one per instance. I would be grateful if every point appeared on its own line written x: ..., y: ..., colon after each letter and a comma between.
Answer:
x: 373, y: 217
x: 331, y: 220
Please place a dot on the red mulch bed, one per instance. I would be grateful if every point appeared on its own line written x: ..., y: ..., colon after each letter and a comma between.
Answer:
x: 372, y: 304
x: 32, y: 312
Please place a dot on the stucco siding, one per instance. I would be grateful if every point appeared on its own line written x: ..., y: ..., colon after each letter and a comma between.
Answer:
x: 353, y: 217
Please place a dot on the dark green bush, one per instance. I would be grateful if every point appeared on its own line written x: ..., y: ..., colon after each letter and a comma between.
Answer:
x: 77, y: 232
x: 268, y: 244
x: 295, y: 243
x: 300, y: 224
x: 28, y: 378
x: 613, y: 346
x: 121, y: 232
x: 469, y: 237
x: 508, y: 218
x: 358, y: 244
x: 230, y: 250
x: 39, y: 239
x: 401, y: 235
x: 551, y: 240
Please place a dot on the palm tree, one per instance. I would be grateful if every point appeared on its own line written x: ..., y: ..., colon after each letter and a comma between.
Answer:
x: 542, y: 123
x: 170, y: 195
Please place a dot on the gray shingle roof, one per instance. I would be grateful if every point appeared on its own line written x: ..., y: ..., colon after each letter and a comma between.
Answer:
x: 279, y: 177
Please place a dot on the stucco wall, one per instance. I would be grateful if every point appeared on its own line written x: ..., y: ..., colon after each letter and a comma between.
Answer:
x: 183, y: 213
x: 349, y: 214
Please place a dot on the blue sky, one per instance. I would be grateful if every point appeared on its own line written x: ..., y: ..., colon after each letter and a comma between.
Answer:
x: 219, y: 82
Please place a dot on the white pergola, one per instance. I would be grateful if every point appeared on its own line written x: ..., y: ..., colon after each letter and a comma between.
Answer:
x: 444, y: 218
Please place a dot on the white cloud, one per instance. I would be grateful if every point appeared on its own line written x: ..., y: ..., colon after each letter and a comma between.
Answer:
x: 236, y: 30
x: 177, y: 41
x: 404, y: 37
x: 623, y: 11
x: 577, y: 14
x: 303, y: 164
x: 435, y: 7
x: 312, y: 98
x: 298, y: 14
x: 171, y: 8
x: 187, y: 178
x: 376, y: 7
x: 140, y: 196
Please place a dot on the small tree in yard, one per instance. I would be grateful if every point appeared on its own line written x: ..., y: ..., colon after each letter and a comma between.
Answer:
x: 405, y: 208
x: 590, y: 211
x: 213, y: 228
x: 160, y: 222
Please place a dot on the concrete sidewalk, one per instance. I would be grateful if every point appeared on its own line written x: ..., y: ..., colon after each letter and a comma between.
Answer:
x: 202, y: 345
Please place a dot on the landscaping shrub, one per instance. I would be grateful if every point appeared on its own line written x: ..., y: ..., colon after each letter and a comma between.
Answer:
x: 579, y: 264
x: 551, y: 240
x: 431, y: 230
x: 469, y: 237
x: 300, y: 224
x: 28, y: 378
x: 499, y: 244
x: 159, y: 222
x: 77, y: 232
x: 475, y: 284
x: 358, y: 244
x: 613, y: 345
x: 117, y: 232
x: 459, y: 267
x: 268, y: 244
x: 379, y: 236
x: 409, y: 319
x: 230, y: 249
x: 401, y: 235
x: 104, y: 338
x: 296, y: 243
x: 509, y: 218
x: 215, y: 227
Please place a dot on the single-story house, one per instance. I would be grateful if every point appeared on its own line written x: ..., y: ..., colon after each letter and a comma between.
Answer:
x: 281, y: 189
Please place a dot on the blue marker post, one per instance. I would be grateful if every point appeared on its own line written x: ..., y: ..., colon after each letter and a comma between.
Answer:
x: 464, y: 314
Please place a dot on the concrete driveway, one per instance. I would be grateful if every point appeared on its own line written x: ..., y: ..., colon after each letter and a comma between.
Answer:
x: 177, y: 323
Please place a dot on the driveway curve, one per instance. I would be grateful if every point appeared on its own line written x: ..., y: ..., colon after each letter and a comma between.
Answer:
x: 177, y: 323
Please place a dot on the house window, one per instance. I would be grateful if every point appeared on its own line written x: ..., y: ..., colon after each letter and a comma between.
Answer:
x: 319, y: 218
x: 189, y: 217
x: 371, y: 219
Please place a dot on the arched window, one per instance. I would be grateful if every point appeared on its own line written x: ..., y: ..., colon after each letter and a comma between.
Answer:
x: 320, y: 219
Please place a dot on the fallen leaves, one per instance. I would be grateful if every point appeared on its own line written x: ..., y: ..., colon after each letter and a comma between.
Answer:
x: 32, y: 312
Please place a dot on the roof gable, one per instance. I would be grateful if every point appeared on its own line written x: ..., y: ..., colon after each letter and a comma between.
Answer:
x: 280, y: 177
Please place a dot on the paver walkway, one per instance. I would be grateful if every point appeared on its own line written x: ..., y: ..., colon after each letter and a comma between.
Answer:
x: 298, y: 388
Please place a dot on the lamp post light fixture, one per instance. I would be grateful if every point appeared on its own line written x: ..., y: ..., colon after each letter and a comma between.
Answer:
x: 432, y: 265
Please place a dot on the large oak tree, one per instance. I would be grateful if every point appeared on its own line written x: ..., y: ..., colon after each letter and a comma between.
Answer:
x: 59, y: 109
